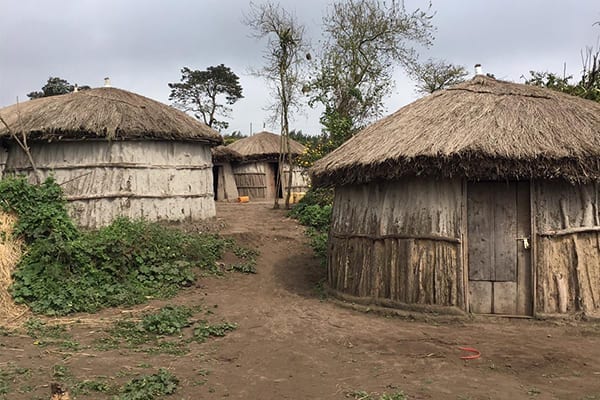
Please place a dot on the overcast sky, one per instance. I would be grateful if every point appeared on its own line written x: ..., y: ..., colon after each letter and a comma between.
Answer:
x: 142, y: 44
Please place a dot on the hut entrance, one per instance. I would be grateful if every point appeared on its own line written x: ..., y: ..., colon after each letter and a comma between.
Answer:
x: 277, y: 189
x: 216, y: 173
x: 499, y: 226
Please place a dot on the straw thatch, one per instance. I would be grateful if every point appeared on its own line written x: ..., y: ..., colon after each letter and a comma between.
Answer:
x: 481, y: 129
x: 11, y: 250
x: 263, y: 146
x: 106, y: 113
x: 221, y: 154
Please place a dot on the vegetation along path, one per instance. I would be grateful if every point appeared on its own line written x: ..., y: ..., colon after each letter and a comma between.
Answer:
x: 291, y: 343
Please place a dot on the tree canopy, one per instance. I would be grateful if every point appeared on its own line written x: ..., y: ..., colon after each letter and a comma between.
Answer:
x: 433, y: 75
x: 199, y: 92
x: 55, y: 86
x: 364, y: 41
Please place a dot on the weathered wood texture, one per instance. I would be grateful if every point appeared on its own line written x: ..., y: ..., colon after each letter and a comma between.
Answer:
x: 398, y: 240
x: 498, y: 217
x: 257, y: 180
x: 568, y: 254
x: 300, y: 179
x: 156, y: 180
x: 226, y: 187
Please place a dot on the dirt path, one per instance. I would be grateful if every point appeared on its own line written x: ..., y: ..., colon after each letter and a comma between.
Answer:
x: 291, y: 344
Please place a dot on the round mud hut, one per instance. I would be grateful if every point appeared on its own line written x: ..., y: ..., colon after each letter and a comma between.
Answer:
x: 480, y: 198
x: 256, y: 175
x: 224, y: 186
x: 115, y: 153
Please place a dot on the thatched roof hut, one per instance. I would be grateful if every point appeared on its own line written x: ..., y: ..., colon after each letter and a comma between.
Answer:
x: 482, y: 197
x: 256, y: 174
x: 263, y: 146
x: 116, y: 153
x: 480, y: 129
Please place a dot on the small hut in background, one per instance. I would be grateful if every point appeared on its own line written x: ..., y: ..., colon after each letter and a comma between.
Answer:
x: 224, y: 186
x: 257, y: 174
x: 116, y: 153
x: 482, y: 198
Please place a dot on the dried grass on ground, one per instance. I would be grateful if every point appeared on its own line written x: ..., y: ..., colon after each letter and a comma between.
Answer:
x: 11, y: 250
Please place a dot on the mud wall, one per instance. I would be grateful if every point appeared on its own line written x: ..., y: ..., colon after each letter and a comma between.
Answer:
x: 155, y: 180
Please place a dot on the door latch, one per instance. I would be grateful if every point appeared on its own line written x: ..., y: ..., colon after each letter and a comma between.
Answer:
x: 526, y: 244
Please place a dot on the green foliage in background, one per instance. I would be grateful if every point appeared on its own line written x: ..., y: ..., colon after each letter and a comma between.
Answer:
x: 314, y: 211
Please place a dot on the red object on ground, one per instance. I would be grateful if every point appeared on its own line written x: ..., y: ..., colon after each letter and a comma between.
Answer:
x: 476, y: 354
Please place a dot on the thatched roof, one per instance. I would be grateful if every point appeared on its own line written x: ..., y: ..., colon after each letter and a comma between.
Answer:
x: 480, y: 129
x: 225, y: 154
x: 263, y: 146
x: 106, y: 113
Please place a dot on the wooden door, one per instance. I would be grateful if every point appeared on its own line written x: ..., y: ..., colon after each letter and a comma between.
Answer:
x: 499, y: 243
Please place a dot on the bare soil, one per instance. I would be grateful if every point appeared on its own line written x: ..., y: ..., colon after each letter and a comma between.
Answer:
x: 292, y: 343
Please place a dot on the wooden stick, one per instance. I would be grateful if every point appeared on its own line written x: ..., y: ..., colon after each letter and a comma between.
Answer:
x: 130, y: 195
x: 115, y: 165
x: 570, y: 231
x: 395, y: 236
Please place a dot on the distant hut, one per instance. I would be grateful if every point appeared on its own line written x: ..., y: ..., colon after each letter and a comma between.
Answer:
x: 256, y: 174
x: 482, y: 198
x: 224, y: 186
x: 116, y: 153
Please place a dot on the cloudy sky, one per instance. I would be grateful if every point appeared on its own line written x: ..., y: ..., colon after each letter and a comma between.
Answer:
x: 142, y: 44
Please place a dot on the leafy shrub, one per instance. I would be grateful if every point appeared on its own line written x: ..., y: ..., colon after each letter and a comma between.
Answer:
x: 318, y: 242
x: 66, y: 270
x: 168, y: 321
x: 41, y: 209
x: 314, y: 211
x: 204, y: 330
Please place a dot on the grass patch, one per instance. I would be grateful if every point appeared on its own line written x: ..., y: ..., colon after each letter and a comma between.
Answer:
x: 149, y: 387
x: 163, y: 331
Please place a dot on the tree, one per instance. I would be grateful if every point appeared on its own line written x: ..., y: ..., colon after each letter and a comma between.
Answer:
x: 434, y: 75
x: 199, y: 93
x: 284, y: 56
x: 588, y: 85
x: 364, y: 40
x: 54, y: 87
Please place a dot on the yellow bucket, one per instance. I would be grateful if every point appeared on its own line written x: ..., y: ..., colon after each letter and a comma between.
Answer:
x: 297, y: 196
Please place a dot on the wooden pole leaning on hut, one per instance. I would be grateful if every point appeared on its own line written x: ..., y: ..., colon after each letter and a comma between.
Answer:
x: 22, y: 142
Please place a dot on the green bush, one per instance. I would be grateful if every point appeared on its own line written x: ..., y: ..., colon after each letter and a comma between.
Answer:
x: 314, y: 211
x: 168, y: 321
x: 41, y: 209
x: 66, y: 270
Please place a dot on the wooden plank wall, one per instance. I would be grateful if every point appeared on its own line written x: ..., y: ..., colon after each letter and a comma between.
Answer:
x: 137, y: 179
x: 568, y: 248
x: 300, y: 179
x: 227, y: 188
x: 400, y: 241
x: 251, y: 179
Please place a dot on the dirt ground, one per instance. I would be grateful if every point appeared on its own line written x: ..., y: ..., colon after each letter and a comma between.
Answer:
x: 293, y: 344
